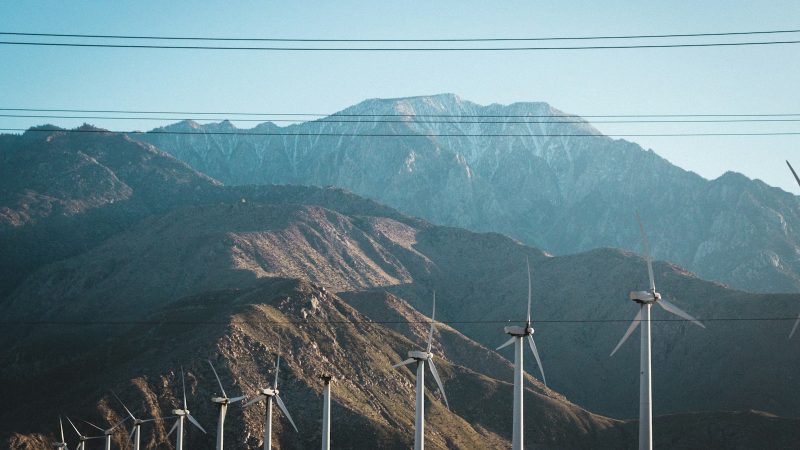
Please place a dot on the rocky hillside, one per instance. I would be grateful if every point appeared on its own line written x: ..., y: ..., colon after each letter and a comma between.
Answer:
x: 560, y: 193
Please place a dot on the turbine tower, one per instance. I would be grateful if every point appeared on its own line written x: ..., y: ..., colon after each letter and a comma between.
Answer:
x: 796, y: 322
x: 61, y: 444
x: 645, y: 299
x: 182, y: 415
x: 518, y: 335
x: 136, y: 432
x: 106, y: 433
x: 326, y: 411
x: 421, y: 358
x: 81, y: 437
x: 269, y: 394
x: 223, y: 403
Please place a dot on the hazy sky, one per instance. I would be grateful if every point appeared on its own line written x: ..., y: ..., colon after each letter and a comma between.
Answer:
x: 744, y: 80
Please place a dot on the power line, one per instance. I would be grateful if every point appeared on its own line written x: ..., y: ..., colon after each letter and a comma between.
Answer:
x: 504, y: 39
x: 235, y: 113
x: 576, y: 120
x: 397, y: 49
x: 376, y: 322
x: 390, y: 135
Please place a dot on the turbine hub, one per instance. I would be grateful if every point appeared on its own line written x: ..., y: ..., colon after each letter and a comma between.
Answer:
x: 645, y: 297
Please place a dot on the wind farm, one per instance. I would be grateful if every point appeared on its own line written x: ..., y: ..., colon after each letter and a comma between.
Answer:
x: 373, y: 225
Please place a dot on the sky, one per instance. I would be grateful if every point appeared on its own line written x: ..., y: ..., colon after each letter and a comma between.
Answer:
x: 716, y: 80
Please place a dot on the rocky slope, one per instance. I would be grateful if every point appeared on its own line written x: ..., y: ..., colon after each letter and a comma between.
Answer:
x: 560, y: 193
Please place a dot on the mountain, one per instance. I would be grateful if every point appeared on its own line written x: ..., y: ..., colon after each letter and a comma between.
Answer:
x: 231, y: 273
x: 562, y: 193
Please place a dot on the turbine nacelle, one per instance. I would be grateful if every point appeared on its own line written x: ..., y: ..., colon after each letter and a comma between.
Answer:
x: 269, y: 392
x: 515, y: 330
x: 419, y: 355
x: 180, y: 412
x: 644, y: 297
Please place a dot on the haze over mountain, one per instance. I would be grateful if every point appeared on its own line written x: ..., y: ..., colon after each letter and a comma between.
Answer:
x: 215, y: 274
x: 562, y: 193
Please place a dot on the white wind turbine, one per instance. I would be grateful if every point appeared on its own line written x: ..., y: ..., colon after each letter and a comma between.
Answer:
x: 81, y: 437
x: 106, y: 433
x: 518, y: 334
x: 136, y: 432
x: 796, y: 322
x: 61, y: 444
x: 182, y: 415
x: 421, y: 358
x: 645, y: 299
x: 223, y: 403
x: 269, y: 394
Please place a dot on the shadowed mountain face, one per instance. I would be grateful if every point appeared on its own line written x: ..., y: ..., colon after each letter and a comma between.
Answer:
x: 205, y: 276
x: 565, y: 194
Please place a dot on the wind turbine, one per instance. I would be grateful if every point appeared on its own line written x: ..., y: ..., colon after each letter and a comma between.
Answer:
x: 136, y: 432
x: 326, y: 411
x: 81, y: 437
x: 645, y: 299
x: 223, y: 403
x: 518, y: 335
x: 61, y: 444
x: 182, y: 415
x: 106, y: 433
x: 269, y: 394
x: 421, y: 358
x: 796, y: 322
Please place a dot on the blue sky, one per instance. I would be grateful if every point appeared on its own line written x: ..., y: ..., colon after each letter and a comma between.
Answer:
x: 664, y: 81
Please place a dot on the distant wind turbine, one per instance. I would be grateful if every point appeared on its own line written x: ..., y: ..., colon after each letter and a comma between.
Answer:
x: 61, y: 444
x: 223, y: 403
x: 421, y: 358
x: 796, y: 322
x: 106, y: 433
x: 645, y: 299
x: 182, y: 415
x: 518, y: 334
x: 81, y: 437
x: 269, y: 394
x: 136, y: 432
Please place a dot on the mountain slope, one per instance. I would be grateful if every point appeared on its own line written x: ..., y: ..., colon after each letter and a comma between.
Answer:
x: 562, y: 193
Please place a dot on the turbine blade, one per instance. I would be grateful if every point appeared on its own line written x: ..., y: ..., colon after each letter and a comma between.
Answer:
x: 195, y: 422
x: 636, y: 322
x: 130, y: 437
x: 257, y: 398
x: 174, y: 427
x: 536, y: 355
x: 404, y: 363
x: 793, y: 172
x: 277, y: 369
x: 237, y: 399
x: 794, y: 328
x: 217, y: 377
x: 61, y: 426
x: 508, y: 342
x: 80, y: 445
x: 646, y: 245
x: 183, y: 385
x: 527, y: 263
x: 123, y: 405
x: 678, y: 312
x: 92, y: 425
x: 433, y: 318
x: 285, y: 411
x: 119, y: 423
x: 73, y: 426
x: 438, y: 381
